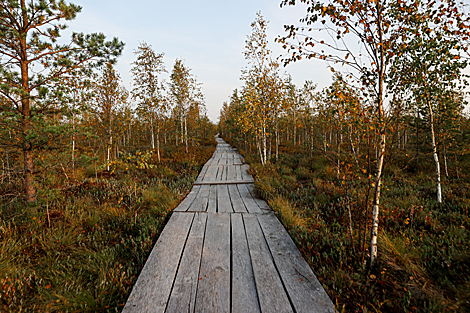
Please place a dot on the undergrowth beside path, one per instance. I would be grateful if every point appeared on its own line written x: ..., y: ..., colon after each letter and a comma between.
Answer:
x: 424, y: 247
x: 82, y: 247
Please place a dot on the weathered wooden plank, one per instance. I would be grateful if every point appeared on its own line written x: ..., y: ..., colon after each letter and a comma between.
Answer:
x: 221, y: 175
x: 223, y: 182
x: 183, y: 293
x: 231, y: 174
x: 186, y: 203
x: 303, y: 288
x: 244, y: 169
x: 203, y: 172
x: 212, y: 203
x: 213, y: 291
x: 238, y: 169
x: 152, y: 289
x: 222, y: 157
x: 200, y: 203
x: 230, y: 157
x: 271, y: 294
x: 263, y: 205
x: 223, y: 200
x: 244, y: 295
x: 225, y: 173
x: 250, y: 203
x: 211, y: 173
x: 235, y: 198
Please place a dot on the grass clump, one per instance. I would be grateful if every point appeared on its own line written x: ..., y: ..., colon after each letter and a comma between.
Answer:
x: 424, y: 259
x: 82, y: 247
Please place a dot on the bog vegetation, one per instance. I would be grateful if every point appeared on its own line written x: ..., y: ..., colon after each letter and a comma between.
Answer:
x: 90, y: 171
x: 370, y: 174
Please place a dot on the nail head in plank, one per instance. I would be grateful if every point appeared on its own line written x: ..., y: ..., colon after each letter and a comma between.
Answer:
x: 305, y: 291
x: 213, y: 291
x: 152, y: 289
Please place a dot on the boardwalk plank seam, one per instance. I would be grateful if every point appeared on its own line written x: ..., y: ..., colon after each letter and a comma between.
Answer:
x: 240, y: 260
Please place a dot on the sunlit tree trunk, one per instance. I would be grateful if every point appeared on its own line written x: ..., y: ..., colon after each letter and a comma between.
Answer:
x: 30, y: 189
x: 186, y: 134
x: 158, y: 142
x: 434, y: 153
x: 381, y: 122
x: 277, y: 136
x: 152, y: 135
x: 110, y: 144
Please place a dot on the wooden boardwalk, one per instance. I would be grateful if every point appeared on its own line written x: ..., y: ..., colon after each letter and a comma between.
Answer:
x: 224, y: 250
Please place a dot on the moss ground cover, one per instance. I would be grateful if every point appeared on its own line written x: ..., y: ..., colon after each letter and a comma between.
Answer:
x: 82, y: 247
x: 424, y: 247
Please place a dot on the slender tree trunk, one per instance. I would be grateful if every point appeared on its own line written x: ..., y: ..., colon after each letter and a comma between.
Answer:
x: 295, y: 127
x: 7, y: 155
x: 73, y: 145
x: 270, y: 148
x: 264, y: 144
x: 351, y: 229
x: 435, y: 155
x: 258, y: 144
x: 417, y: 136
x: 445, y: 163
x: 277, y: 137
x: 186, y: 134
x: 29, y: 188
x: 339, y: 139
x: 353, y: 150
x: 380, y: 159
x: 182, y: 129
x: 110, y: 143
x: 152, y: 136
x: 158, y: 142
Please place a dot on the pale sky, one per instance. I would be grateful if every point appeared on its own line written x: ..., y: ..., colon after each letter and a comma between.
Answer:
x: 209, y: 35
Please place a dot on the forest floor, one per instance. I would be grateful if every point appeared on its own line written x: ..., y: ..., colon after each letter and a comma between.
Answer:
x: 424, y: 247
x: 81, y: 248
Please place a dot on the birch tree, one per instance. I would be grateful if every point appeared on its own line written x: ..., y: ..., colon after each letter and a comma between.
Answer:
x: 430, y: 59
x: 329, y: 24
x: 262, y: 86
x: 109, y: 95
x: 148, y: 90
x: 186, y: 95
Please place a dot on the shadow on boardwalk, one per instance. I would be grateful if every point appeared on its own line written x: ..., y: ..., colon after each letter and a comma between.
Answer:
x: 224, y: 250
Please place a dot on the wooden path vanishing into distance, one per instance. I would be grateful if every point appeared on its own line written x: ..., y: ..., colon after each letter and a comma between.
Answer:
x: 224, y: 250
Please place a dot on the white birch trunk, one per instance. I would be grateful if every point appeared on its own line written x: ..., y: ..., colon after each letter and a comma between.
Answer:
x: 186, y: 134
x: 435, y: 156
x: 158, y: 142
x: 152, y: 136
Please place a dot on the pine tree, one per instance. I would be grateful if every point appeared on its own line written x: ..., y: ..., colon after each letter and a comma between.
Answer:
x: 28, y: 38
